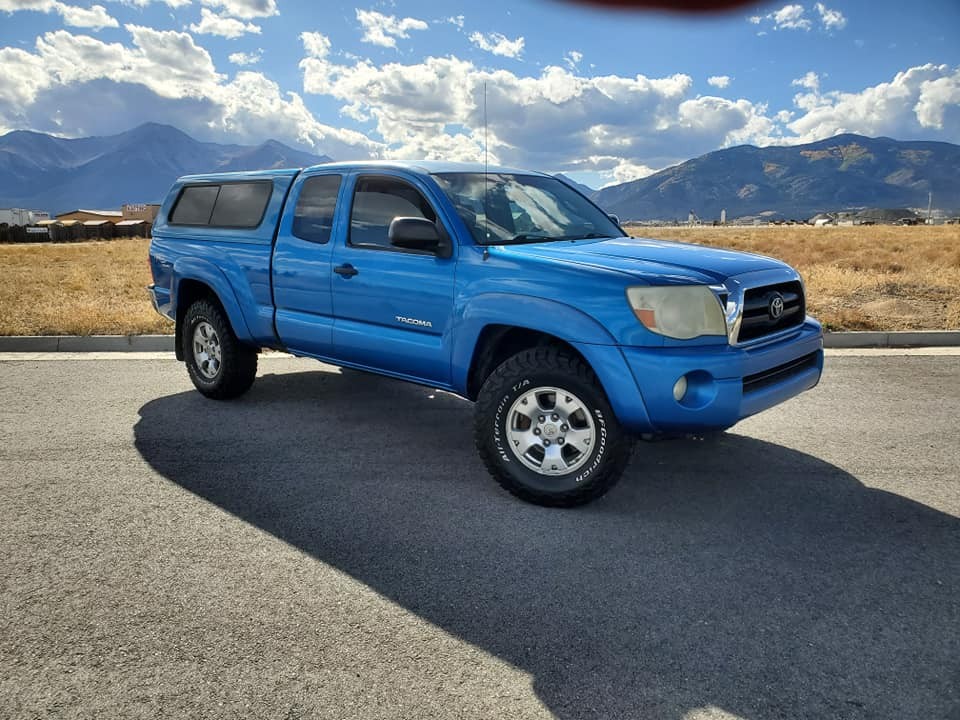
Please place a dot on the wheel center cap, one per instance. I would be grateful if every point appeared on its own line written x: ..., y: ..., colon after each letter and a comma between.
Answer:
x: 550, y: 431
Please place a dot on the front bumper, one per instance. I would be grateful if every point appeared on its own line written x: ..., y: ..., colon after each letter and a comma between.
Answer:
x: 724, y: 383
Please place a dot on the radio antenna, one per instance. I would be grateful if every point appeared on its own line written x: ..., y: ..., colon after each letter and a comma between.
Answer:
x: 486, y: 165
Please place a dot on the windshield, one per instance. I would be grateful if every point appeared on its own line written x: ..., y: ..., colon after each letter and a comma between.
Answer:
x: 523, y: 208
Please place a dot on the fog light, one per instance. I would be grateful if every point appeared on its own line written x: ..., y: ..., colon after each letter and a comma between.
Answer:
x: 680, y: 388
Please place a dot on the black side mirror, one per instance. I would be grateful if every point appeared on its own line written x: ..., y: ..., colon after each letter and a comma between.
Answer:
x: 413, y: 233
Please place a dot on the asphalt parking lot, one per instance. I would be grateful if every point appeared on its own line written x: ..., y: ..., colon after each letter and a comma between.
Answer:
x: 330, y: 546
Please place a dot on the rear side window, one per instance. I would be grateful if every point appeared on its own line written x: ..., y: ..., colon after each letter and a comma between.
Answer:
x: 232, y: 205
x: 195, y: 205
x: 313, y: 216
x: 241, y: 204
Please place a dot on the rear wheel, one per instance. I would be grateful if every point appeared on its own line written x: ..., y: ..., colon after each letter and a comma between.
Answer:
x: 220, y: 366
x: 546, y: 432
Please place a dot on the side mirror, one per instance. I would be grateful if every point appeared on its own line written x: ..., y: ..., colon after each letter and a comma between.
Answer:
x: 615, y: 219
x: 413, y: 233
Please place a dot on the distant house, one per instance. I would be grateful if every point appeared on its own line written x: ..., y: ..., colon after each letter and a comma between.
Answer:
x: 85, y: 215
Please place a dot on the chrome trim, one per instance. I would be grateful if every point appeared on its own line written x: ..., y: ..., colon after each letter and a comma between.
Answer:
x: 736, y: 287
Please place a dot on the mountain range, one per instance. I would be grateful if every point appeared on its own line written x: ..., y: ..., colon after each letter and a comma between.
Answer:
x: 44, y: 172
x: 844, y: 172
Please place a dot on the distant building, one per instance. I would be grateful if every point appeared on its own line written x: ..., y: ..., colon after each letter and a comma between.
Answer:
x: 85, y: 215
x: 140, y: 211
x: 22, y: 216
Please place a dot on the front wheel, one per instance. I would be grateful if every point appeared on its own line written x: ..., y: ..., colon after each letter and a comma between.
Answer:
x: 546, y: 432
x: 220, y: 366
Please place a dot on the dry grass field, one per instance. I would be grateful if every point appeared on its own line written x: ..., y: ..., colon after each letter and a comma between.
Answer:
x: 858, y: 278
x: 88, y: 288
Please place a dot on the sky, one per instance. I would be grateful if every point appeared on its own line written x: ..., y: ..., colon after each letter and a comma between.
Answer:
x: 605, y: 96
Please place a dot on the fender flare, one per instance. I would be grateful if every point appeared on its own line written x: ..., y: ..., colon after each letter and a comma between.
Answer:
x: 521, y: 311
x: 210, y: 275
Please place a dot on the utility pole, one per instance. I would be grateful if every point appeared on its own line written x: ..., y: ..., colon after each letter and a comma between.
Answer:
x: 929, y: 207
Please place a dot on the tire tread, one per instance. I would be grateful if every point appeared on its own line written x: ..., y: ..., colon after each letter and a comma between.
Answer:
x: 548, y: 358
x: 238, y: 367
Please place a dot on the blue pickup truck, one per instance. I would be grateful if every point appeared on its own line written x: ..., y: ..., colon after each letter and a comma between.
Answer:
x: 506, y: 287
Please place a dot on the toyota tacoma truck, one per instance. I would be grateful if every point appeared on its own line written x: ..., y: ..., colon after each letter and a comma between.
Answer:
x: 506, y: 287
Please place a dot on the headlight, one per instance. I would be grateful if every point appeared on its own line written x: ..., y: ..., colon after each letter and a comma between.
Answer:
x: 679, y: 311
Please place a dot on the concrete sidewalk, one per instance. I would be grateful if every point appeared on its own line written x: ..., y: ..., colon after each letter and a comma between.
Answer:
x: 164, y: 343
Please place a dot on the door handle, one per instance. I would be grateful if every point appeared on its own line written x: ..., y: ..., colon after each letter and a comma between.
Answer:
x: 347, y: 270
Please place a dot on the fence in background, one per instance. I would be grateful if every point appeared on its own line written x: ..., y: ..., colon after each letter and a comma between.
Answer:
x: 78, y: 232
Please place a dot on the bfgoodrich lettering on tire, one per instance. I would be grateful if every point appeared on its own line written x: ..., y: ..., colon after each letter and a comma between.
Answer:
x: 220, y: 366
x: 546, y: 432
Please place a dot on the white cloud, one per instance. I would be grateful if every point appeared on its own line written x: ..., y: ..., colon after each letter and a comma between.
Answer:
x: 794, y: 17
x: 719, y: 81
x: 558, y: 120
x: 830, y: 19
x: 384, y: 30
x: 573, y: 59
x: 456, y: 20
x: 498, y: 44
x: 160, y: 75
x: 95, y: 17
x: 625, y: 171
x: 15, y: 5
x: 245, y: 9
x: 920, y: 101
x: 790, y: 17
x: 213, y: 24
x: 811, y: 81
x: 245, y: 59
x: 316, y: 44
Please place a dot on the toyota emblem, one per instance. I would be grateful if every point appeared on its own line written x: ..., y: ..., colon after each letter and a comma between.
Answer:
x: 776, y: 306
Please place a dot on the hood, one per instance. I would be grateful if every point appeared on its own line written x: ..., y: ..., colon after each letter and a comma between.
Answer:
x: 657, y: 262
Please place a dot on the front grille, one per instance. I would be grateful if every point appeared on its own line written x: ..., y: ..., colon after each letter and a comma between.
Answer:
x: 760, y: 380
x: 757, y: 317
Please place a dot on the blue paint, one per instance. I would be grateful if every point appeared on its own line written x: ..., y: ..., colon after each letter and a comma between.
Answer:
x: 419, y: 316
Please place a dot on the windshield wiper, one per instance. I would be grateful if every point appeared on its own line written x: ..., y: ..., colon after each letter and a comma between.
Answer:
x: 528, y: 238
x: 585, y: 236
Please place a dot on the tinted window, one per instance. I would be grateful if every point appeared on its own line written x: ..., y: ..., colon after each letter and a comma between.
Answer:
x: 376, y: 202
x: 241, y: 204
x: 313, y: 216
x: 195, y: 205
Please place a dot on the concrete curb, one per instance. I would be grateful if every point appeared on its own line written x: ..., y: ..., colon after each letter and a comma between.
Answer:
x: 86, y: 343
x: 164, y: 343
x: 899, y: 339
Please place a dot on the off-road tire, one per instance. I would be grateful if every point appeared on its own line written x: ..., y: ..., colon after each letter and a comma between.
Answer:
x: 238, y: 362
x: 549, y: 366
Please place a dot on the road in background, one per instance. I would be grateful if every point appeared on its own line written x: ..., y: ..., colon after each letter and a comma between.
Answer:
x: 330, y: 546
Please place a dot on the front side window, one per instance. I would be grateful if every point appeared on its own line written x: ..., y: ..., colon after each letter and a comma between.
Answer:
x: 502, y: 208
x: 376, y: 202
x: 313, y: 215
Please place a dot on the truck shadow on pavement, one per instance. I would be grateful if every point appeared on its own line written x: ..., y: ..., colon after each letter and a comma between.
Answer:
x: 726, y: 574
